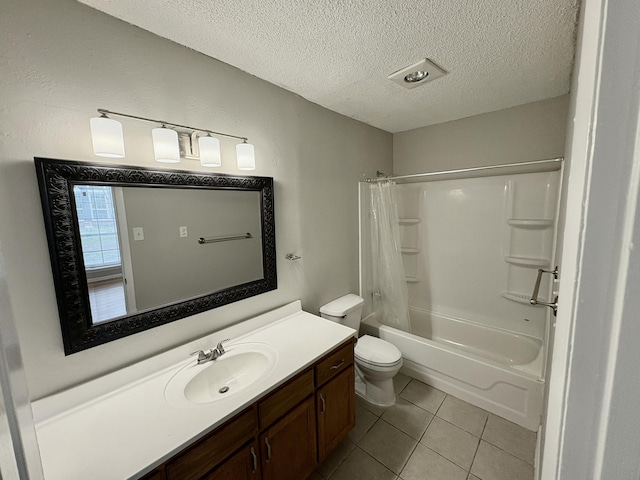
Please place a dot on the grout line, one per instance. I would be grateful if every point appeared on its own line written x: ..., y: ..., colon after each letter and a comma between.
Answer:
x: 422, y: 408
x: 446, y: 395
x: 339, y: 463
x: 367, y: 430
x: 408, y: 458
x: 410, y: 437
x: 507, y: 452
x: 478, y: 447
x: 447, y: 459
x: 498, y: 447
x: 378, y: 461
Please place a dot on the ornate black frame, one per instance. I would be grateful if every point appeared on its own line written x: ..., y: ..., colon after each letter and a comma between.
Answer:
x: 56, y: 179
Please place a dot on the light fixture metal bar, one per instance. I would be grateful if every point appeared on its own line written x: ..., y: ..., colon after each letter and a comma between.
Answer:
x: 103, y: 111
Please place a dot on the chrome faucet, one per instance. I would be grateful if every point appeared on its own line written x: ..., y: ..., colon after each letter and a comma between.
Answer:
x: 211, y: 354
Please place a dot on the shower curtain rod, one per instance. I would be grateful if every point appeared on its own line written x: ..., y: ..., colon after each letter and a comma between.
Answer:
x: 528, y: 167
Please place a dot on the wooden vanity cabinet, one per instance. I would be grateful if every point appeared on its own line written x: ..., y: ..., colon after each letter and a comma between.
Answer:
x: 289, y: 446
x: 335, y: 399
x: 243, y: 465
x: 336, y: 411
x: 282, y: 436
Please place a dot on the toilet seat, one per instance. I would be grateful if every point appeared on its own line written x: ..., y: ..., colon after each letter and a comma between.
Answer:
x: 375, y: 352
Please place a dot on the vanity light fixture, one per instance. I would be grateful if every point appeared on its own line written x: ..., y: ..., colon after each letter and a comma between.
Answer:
x: 209, y: 151
x: 165, y: 145
x: 107, y: 137
x: 171, y: 142
x: 245, y: 156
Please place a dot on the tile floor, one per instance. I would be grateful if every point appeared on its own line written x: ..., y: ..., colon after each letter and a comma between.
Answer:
x: 426, y: 435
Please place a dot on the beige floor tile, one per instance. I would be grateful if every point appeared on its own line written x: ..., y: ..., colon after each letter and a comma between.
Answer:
x: 360, y: 466
x: 388, y: 445
x: 463, y: 414
x: 451, y: 442
x: 423, y: 395
x: 364, y: 421
x: 408, y: 417
x: 335, y: 458
x: 375, y: 409
x: 473, y: 477
x: 491, y: 463
x: 513, y: 438
x: 400, y: 381
x: 425, y: 464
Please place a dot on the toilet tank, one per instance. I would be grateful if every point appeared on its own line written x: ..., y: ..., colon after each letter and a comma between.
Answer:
x: 346, y: 310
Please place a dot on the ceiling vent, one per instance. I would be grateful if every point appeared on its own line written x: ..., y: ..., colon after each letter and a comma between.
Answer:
x: 417, y: 74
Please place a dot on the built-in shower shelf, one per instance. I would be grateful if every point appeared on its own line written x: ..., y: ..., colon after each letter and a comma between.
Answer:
x: 408, y: 221
x: 528, y: 261
x: 520, y: 298
x: 411, y: 279
x: 537, y: 223
x: 409, y: 250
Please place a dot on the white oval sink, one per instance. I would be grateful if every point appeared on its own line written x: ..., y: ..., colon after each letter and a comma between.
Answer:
x: 241, y: 366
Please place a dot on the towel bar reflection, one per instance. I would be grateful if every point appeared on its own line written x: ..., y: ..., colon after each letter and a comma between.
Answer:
x: 203, y: 240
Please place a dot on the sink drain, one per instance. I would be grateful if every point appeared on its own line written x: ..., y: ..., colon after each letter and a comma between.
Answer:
x: 224, y: 389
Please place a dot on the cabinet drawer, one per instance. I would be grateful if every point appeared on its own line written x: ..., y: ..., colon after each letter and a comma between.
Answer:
x: 334, y: 363
x: 285, y: 398
x: 207, y: 453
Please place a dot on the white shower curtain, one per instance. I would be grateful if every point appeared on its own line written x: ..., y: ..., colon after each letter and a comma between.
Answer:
x: 390, y: 295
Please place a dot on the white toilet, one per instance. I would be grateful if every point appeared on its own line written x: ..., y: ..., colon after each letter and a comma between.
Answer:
x: 377, y: 361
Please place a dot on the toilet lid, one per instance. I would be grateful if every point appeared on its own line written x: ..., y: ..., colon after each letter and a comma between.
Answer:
x: 376, y: 351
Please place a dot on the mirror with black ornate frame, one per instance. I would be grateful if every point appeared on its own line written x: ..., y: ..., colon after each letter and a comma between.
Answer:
x: 188, y: 241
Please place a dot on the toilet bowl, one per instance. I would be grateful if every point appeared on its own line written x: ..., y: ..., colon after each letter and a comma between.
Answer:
x: 377, y: 361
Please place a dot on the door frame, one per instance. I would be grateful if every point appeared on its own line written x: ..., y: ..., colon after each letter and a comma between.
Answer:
x: 592, y: 423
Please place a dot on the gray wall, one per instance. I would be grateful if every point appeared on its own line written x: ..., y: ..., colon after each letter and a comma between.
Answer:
x: 59, y: 61
x: 167, y: 267
x: 534, y: 131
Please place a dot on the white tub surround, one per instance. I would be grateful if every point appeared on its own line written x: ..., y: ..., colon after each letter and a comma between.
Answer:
x: 121, y: 426
x: 463, y: 359
x: 471, y: 249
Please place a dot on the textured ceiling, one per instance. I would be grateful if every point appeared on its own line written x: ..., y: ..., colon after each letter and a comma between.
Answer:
x: 338, y: 53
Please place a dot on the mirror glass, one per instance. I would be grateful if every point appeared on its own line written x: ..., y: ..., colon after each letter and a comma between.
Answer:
x: 133, y: 248
x: 147, y: 247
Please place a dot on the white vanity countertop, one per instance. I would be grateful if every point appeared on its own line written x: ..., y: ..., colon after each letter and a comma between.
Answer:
x: 128, y: 431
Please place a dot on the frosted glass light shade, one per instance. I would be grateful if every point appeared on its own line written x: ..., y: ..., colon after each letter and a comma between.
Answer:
x: 209, y: 151
x: 107, y: 137
x: 246, y: 156
x: 165, y: 145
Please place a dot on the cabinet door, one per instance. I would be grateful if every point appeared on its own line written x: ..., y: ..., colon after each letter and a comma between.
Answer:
x: 336, y: 411
x: 155, y: 475
x: 289, y: 446
x: 243, y: 465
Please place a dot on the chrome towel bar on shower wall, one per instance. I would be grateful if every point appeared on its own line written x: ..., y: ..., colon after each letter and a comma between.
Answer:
x: 203, y: 240
x: 534, y: 296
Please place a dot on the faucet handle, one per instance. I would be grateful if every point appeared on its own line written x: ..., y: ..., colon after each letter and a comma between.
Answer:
x: 202, y: 357
x: 220, y: 348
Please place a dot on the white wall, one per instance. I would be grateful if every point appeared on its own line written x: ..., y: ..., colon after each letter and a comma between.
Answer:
x: 59, y: 61
x: 534, y: 131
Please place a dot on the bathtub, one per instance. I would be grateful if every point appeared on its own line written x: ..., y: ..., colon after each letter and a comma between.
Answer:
x: 494, y: 369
